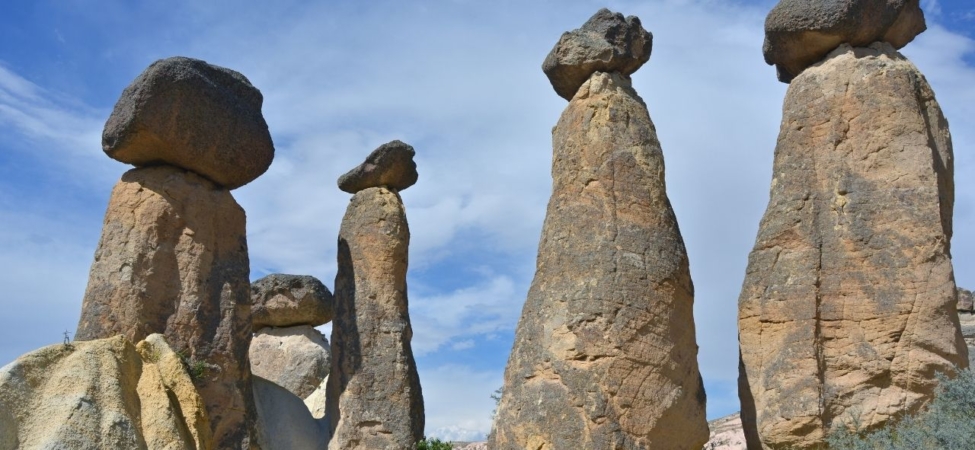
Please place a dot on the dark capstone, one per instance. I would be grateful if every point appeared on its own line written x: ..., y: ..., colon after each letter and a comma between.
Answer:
x: 606, y: 43
x: 190, y: 114
x: 391, y: 165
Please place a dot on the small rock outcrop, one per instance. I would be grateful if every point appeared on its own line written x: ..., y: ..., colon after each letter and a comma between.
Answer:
x: 966, y: 302
x: 280, y: 300
x: 283, y: 421
x: 100, y: 394
x: 374, y: 396
x: 295, y: 358
x: 846, y: 311
x: 607, y: 42
x: 391, y: 165
x: 966, y: 316
x: 799, y: 33
x: 605, y: 354
x: 726, y: 434
x: 187, y: 113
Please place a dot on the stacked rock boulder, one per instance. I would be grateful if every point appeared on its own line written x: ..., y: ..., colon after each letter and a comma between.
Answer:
x: 605, y: 353
x: 966, y: 316
x: 287, y: 349
x: 172, y: 258
x: 373, y: 390
x: 846, y: 311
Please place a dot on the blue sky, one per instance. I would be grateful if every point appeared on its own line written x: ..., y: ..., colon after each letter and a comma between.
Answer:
x: 459, y: 80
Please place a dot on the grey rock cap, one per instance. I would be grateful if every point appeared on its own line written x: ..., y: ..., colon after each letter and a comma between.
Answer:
x: 188, y: 113
x: 800, y: 33
x: 606, y: 43
x: 391, y: 165
x: 280, y: 300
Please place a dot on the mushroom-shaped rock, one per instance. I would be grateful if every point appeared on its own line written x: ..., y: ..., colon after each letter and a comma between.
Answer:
x: 187, y: 113
x: 391, y: 165
x: 607, y: 42
x: 800, y: 33
x: 280, y: 300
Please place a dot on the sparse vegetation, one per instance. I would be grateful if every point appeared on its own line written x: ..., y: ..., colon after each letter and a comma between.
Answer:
x: 432, y: 444
x: 196, y: 368
x: 496, y: 396
x: 948, y: 423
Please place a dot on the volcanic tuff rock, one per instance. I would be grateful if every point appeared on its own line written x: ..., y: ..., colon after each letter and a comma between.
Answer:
x: 374, y: 396
x: 316, y: 401
x: 605, y: 354
x: 280, y: 300
x: 726, y: 434
x: 967, y: 320
x: 295, y: 358
x: 799, y: 33
x: 101, y: 394
x: 187, y: 113
x: 172, y: 259
x: 391, y: 166
x: 965, y: 300
x: 847, y: 305
x: 283, y: 421
x: 606, y: 43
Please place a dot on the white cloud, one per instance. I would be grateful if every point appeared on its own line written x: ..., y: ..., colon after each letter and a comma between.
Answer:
x: 458, y: 401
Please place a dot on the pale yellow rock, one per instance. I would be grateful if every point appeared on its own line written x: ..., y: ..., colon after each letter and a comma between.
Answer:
x: 101, y: 394
x: 847, y: 308
x: 726, y: 434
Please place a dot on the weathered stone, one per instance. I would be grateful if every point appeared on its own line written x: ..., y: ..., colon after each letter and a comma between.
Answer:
x: 605, y: 354
x: 726, y: 434
x: 799, y: 33
x: 187, y: 113
x: 374, y: 396
x: 283, y: 422
x: 391, y: 166
x: 967, y: 320
x: 280, y: 300
x: 606, y: 43
x: 316, y: 401
x: 295, y: 358
x: 966, y: 302
x: 172, y: 259
x: 101, y: 394
x: 846, y: 308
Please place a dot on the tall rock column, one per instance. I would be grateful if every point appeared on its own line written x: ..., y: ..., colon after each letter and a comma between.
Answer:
x: 373, y: 390
x: 846, y: 311
x: 604, y: 354
x: 172, y: 258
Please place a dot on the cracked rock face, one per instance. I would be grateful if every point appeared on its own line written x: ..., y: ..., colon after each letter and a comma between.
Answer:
x: 847, y: 308
x: 190, y: 114
x: 605, y: 353
x: 799, y: 33
x: 374, y: 396
x: 172, y: 259
x: 607, y: 42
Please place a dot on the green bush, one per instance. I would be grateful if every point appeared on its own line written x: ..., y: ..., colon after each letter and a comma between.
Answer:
x: 432, y: 444
x: 948, y: 423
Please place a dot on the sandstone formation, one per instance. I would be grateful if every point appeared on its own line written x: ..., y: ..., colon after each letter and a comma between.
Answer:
x: 295, y: 358
x: 280, y: 300
x: 391, y: 166
x: 606, y: 43
x: 605, y: 354
x: 101, y: 394
x: 966, y: 302
x: 316, y: 401
x: 374, y: 396
x: 283, y: 422
x: 173, y: 259
x: 847, y: 305
x: 187, y: 113
x: 799, y: 33
x: 726, y: 434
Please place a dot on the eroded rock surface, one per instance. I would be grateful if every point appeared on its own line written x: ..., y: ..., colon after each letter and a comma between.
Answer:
x: 283, y: 421
x: 966, y: 302
x: 100, y: 394
x: 799, y: 33
x: 391, y: 166
x: 374, y: 396
x: 172, y: 259
x: 295, y: 358
x: 726, y: 434
x: 607, y: 42
x: 187, y: 113
x: 280, y: 300
x: 605, y: 354
x: 847, y: 305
